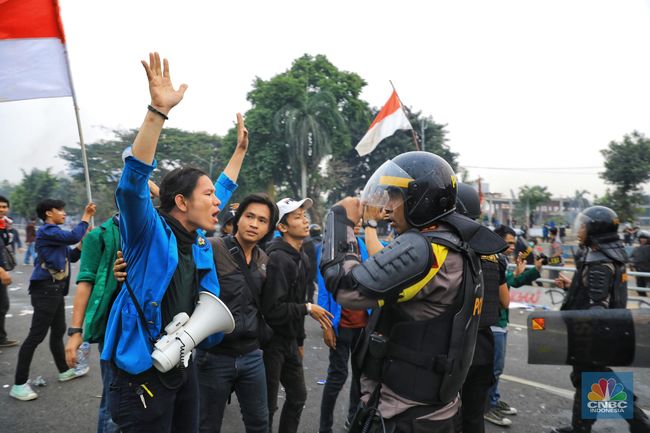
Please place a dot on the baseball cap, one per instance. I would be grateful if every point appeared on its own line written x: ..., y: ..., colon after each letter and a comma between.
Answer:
x: 288, y: 205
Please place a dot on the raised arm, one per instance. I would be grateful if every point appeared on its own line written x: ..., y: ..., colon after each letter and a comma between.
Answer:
x: 237, y: 158
x: 163, y: 99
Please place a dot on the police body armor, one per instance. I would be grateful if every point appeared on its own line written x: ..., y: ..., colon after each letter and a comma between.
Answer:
x: 599, y: 285
x: 578, y: 335
x: 426, y: 360
x: 491, y: 270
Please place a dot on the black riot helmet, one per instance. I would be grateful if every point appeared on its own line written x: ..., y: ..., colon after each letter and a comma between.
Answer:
x: 598, y: 222
x: 468, y: 202
x: 426, y: 182
x: 314, y: 230
x: 643, y: 234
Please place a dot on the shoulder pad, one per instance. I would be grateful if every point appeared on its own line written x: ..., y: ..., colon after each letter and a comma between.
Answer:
x: 615, y: 251
x: 480, y: 238
x: 597, y: 256
x: 401, y: 264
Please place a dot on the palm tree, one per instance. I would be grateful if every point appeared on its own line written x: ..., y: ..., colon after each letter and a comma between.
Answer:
x: 307, y: 125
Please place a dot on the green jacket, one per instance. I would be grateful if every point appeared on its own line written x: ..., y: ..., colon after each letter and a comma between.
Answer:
x: 97, y: 257
x: 526, y: 277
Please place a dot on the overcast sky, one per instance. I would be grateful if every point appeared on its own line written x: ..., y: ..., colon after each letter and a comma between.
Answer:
x: 537, y: 85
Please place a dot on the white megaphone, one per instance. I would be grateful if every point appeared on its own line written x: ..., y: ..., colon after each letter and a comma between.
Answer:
x: 183, y: 333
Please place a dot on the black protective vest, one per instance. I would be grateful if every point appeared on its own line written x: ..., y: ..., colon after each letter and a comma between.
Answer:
x: 577, y: 297
x: 426, y: 360
x: 491, y: 270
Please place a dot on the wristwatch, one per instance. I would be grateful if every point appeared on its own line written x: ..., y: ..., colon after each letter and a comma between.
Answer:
x: 72, y: 331
x: 370, y: 223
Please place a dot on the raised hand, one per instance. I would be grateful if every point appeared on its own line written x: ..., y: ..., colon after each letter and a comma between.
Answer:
x: 242, y: 134
x: 163, y: 95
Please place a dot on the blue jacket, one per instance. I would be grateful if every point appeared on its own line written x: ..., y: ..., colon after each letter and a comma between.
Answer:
x: 325, y: 298
x: 52, y: 248
x: 150, y: 249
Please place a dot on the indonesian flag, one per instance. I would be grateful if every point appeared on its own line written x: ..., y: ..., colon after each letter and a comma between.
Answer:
x: 390, y: 119
x: 32, y: 51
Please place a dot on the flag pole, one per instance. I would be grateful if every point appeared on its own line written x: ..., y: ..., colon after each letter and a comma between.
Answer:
x: 84, y: 157
x: 415, y: 139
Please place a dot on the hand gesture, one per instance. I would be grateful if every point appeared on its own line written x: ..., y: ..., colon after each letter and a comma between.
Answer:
x: 373, y: 213
x: 71, y: 349
x: 563, y: 282
x: 90, y: 210
x: 119, y: 268
x: 242, y: 134
x: 321, y: 315
x: 352, y: 206
x: 521, y: 264
x: 329, y: 337
x: 163, y: 95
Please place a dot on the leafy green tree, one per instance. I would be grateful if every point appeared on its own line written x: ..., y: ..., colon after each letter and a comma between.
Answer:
x: 272, y: 164
x: 6, y: 188
x: 531, y: 197
x: 41, y: 184
x: 627, y: 167
x: 307, y: 124
x: 176, y: 148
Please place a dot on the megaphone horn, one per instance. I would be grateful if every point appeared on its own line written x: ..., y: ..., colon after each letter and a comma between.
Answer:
x: 210, y: 316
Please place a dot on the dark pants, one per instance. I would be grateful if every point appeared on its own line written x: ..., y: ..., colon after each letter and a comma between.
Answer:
x: 474, y: 395
x: 638, y: 424
x: 284, y: 365
x: 640, y: 282
x: 337, y: 374
x: 4, y: 308
x: 219, y: 375
x: 49, y: 313
x: 105, y: 423
x: 168, y: 411
x: 450, y: 425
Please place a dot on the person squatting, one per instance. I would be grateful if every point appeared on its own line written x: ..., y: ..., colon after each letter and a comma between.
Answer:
x: 183, y: 320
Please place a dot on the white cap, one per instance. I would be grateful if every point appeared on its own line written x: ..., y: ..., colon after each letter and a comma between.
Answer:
x: 288, y: 205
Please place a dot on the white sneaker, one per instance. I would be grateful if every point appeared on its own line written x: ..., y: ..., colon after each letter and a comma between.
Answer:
x: 505, y: 408
x: 23, y: 392
x: 495, y: 416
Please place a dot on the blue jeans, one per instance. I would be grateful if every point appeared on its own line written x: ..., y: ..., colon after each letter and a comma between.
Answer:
x: 500, y: 344
x: 219, y: 375
x: 105, y: 423
x: 337, y: 374
x: 160, y: 409
x: 30, y: 253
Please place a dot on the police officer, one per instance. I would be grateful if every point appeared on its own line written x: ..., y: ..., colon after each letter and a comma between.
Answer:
x: 425, y: 287
x: 598, y: 283
x: 495, y: 293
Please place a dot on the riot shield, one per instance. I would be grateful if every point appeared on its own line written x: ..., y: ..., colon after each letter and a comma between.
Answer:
x: 616, y: 337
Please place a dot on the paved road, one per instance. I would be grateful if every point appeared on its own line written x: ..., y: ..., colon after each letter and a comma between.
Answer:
x: 541, y: 393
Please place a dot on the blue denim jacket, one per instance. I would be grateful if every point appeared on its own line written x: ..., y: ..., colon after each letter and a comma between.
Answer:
x: 53, y: 250
x: 150, y: 249
x: 325, y: 298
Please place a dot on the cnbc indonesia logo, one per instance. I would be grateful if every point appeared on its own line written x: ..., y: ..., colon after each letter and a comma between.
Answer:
x: 607, y: 395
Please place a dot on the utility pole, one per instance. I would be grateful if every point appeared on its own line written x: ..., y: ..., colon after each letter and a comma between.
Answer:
x: 423, y: 127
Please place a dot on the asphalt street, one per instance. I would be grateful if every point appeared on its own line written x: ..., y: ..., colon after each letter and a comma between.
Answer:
x: 542, y: 394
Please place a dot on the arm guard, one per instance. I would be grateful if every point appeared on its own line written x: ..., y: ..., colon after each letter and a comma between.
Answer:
x: 599, y: 283
x: 336, y: 248
x: 404, y: 262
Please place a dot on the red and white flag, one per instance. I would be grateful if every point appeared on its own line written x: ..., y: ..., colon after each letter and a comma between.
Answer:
x: 32, y: 51
x: 390, y: 119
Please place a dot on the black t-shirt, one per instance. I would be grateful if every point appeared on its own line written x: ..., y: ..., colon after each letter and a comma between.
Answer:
x: 181, y: 295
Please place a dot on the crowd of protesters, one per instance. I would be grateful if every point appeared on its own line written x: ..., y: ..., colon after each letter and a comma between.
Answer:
x: 145, y: 264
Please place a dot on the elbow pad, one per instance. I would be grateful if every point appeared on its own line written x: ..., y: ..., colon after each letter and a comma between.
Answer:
x: 336, y: 249
x: 404, y: 262
x: 599, y: 283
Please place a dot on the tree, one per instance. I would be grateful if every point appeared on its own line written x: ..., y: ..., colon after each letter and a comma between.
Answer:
x: 530, y: 197
x: 176, y: 148
x: 306, y: 126
x: 41, y: 184
x: 6, y: 188
x: 579, y: 201
x: 627, y: 167
x: 273, y: 164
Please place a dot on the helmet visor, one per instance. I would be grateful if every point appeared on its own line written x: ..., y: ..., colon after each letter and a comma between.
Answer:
x: 388, y: 180
x: 579, y: 228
